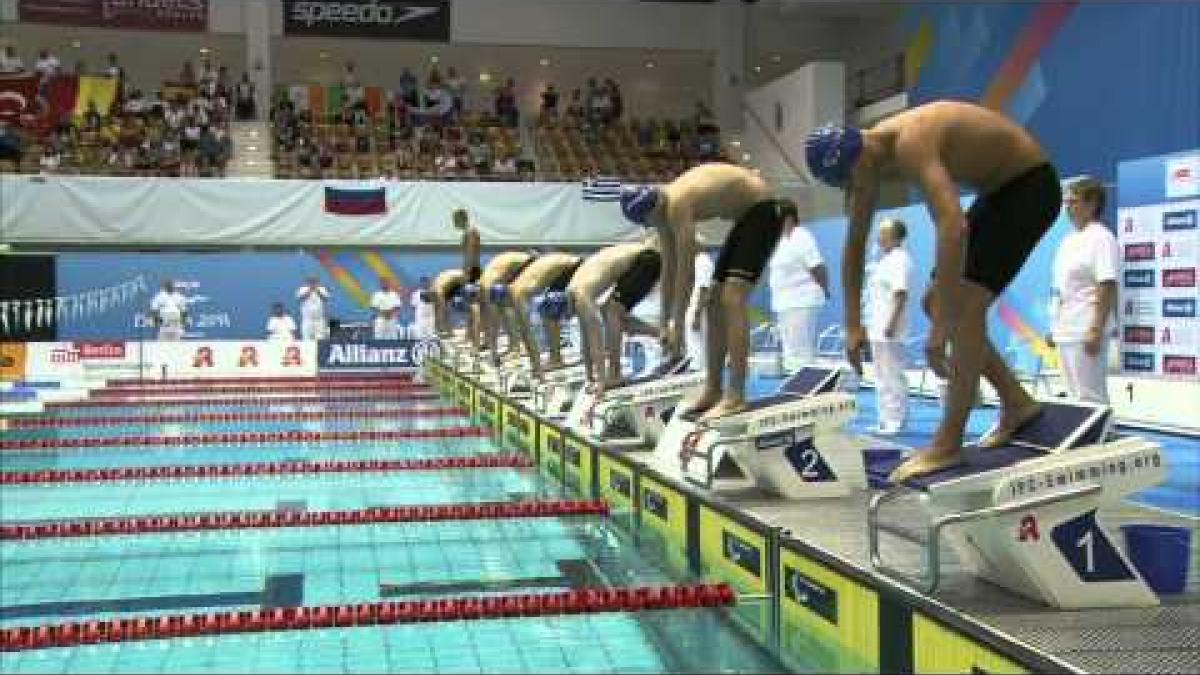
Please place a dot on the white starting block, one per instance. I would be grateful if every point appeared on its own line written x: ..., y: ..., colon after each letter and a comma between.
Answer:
x: 1023, y: 516
x: 790, y: 444
x: 634, y: 415
x: 552, y: 398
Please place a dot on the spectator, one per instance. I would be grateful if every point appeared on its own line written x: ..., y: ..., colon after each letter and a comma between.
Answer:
x: 11, y: 63
x: 387, y: 304
x: 80, y: 68
x: 506, y: 167
x: 50, y: 159
x: 549, y: 104
x: 615, y: 102
x: 350, y: 75
x: 506, y: 103
x: 306, y: 154
x: 575, y: 111
x: 174, y: 116
x: 245, y: 99
x: 207, y: 76
x: 325, y: 158
x: 704, y: 119
x: 480, y: 153
x: 169, y: 158
x: 407, y: 87
x: 280, y: 326
x: 362, y: 142
x: 645, y: 134
x: 456, y: 86
x: 91, y: 117
x: 435, y: 78
x: 446, y: 163
x: 47, y: 64
x: 114, y: 69
x: 187, y: 75
x: 222, y: 90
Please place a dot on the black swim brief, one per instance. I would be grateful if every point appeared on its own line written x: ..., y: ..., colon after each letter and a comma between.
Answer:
x: 639, y: 279
x: 564, y: 278
x: 750, y: 243
x: 1005, y: 225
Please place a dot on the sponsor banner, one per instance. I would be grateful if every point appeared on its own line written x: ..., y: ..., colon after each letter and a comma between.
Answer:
x: 375, y: 354
x: 1174, y: 221
x: 1183, y: 177
x: 12, y: 361
x: 395, y: 19
x: 1138, y: 335
x: 1182, y: 277
x: 1179, y: 365
x: 231, y: 358
x: 1138, y: 362
x: 1139, y: 251
x: 169, y: 15
x: 1139, y: 278
x: 1179, y: 308
x: 53, y: 360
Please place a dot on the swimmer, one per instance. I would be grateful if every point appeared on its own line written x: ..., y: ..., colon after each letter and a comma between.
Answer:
x: 630, y: 270
x: 551, y: 272
x: 470, y: 246
x: 712, y: 191
x: 445, y: 286
x: 500, y: 270
x: 938, y: 146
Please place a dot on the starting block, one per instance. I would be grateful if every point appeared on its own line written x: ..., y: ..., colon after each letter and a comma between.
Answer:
x: 790, y: 444
x: 1024, y: 516
x: 634, y: 415
x: 553, y: 396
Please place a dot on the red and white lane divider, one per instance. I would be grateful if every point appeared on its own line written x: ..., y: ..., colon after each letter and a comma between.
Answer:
x: 236, y: 390
x: 249, y: 416
x: 381, y: 397
x: 347, y: 377
x: 240, y: 520
x: 46, y: 476
x: 243, y: 438
x: 522, y: 605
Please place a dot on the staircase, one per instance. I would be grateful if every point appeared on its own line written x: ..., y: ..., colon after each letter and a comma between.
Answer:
x: 251, y: 150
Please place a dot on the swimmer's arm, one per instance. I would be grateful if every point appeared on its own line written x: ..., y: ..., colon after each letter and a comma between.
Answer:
x: 941, y: 194
x: 862, y: 199
x: 470, y: 250
x: 669, y: 240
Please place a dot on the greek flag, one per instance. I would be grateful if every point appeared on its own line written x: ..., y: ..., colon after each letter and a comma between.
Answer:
x: 602, y: 189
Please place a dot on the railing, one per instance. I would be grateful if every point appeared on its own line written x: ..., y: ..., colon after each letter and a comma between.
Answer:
x: 876, y: 83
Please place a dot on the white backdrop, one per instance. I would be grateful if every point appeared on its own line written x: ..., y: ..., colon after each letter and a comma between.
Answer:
x: 232, y: 212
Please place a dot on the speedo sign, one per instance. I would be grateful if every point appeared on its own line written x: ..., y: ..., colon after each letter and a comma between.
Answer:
x: 411, y: 20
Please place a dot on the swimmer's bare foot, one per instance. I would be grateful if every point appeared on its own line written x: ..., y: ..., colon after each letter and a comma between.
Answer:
x: 1009, y: 423
x: 926, y: 461
x: 702, y: 404
x: 727, y: 406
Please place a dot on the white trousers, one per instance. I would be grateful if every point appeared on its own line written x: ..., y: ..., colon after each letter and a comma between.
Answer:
x: 798, y: 336
x: 1086, y: 375
x: 169, y: 333
x: 891, y: 383
x: 386, y: 329
x: 315, y: 328
x: 423, y: 327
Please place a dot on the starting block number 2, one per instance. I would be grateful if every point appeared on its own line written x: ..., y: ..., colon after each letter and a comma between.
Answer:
x: 809, y: 463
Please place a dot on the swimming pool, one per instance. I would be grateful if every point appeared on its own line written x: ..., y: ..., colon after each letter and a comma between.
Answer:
x: 56, y: 580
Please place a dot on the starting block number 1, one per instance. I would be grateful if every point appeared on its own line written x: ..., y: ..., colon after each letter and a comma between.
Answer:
x: 1089, y: 551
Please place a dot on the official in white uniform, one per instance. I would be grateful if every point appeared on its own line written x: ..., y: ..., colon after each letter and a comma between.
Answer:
x: 169, y: 310
x: 701, y: 289
x: 280, y: 326
x: 314, y: 299
x: 386, y: 303
x: 423, y: 311
x: 799, y: 288
x: 1084, y: 293
x: 889, y: 290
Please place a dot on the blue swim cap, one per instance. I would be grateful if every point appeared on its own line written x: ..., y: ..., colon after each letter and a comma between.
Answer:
x: 831, y: 152
x: 555, y: 305
x: 498, y: 293
x: 471, y: 292
x: 638, y: 202
x: 458, y: 303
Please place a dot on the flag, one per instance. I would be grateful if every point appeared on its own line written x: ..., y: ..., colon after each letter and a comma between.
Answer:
x: 602, y: 189
x: 99, y: 90
x: 18, y: 96
x: 356, y: 201
x: 177, y: 90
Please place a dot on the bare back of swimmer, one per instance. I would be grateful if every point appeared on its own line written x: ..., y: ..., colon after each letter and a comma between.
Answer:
x: 939, y: 146
x: 550, y: 272
x: 500, y: 270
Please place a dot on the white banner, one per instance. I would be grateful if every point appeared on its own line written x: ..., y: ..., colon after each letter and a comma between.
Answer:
x: 212, y: 358
x: 109, y: 210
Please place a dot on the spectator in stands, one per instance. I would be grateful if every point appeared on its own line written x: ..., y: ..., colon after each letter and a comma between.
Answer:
x: 506, y: 103
x: 174, y: 116
x: 306, y: 155
x: 350, y: 75
x: 406, y: 87
x: 91, y: 117
x: 362, y: 142
x: 245, y: 98
x: 506, y: 166
x: 47, y: 64
x: 199, y: 108
x: 9, y: 61
x: 456, y: 86
x: 223, y: 83
x: 187, y: 75
x: 169, y: 158
x: 480, y: 152
x: 134, y: 104
x: 114, y: 69
x: 325, y: 158
x: 50, y: 159
x: 207, y: 75
x: 575, y: 111
x: 616, y: 103
x: 435, y: 78
x: 280, y: 326
x: 190, y: 144
x: 704, y: 119
x: 406, y: 160
x: 446, y: 163
x: 80, y: 68
x: 549, y: 104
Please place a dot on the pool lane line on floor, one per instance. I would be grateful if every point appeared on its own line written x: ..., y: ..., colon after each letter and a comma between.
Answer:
x: 248, y: 416
x: 143, y: 473
x: 240, y: 520
x: 239, y: 438
x: 523, y: 605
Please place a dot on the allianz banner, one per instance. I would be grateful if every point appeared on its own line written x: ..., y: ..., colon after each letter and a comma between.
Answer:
x: 395, y: 19
x: 375, y: 354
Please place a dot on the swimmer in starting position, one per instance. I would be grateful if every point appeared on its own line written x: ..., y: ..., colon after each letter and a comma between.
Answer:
x: 500, y: 271
x: 550, y: 273
x: 445, y: 285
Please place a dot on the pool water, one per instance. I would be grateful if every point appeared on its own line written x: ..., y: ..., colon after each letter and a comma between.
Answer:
x: 52, y: 581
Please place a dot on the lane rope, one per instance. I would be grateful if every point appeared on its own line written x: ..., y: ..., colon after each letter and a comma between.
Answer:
x: 242, y: 438
x: 250, y: 416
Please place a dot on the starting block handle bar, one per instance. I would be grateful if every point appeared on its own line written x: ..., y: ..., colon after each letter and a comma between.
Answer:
x: 928, y: 582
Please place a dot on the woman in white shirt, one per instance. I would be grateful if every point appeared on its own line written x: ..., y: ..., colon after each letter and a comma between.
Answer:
x: 799, y: 287
x: 280, y: 326
x: 889, y: 289
x: 313, y: 298
x: 1084, y: 293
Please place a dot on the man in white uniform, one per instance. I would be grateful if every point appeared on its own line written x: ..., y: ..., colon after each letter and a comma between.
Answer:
x: 280, y: 326
x: 423, y: 310
x: 799, y: 288
x: 701, y: 288
x: 887, y: 325
x: 169, y: 311
x: 314, y: 298
x: 387, y: 303
x: 1084, y: 293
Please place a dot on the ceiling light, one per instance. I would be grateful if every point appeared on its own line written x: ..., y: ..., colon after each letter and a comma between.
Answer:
x: 485, y: 77
x: 736, y: 144
x: 76, y: 44
x: 323, y: 55
x: 204, y: 50
x: 435, y: 58
x: 649, y: 64
x: 758, y: 69
x: 544, y: 62
x: 745, y: 157
x: 775, y: 58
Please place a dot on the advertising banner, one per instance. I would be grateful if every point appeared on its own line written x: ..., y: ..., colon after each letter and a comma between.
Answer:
x: 167, y: 15
x: 375, y: 354
x: 12, y: 361
x: 393, y: 19
x: 231, y: 358
x: 1160, y: 251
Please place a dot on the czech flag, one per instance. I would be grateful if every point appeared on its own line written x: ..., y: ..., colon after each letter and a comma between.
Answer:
x: 355, y: 202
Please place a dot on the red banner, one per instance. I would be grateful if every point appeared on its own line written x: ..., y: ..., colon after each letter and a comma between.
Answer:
x: 18, y: 96
x: 173, y: 15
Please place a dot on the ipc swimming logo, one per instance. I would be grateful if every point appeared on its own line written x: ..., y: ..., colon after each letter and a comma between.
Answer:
x: 425, y: 349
